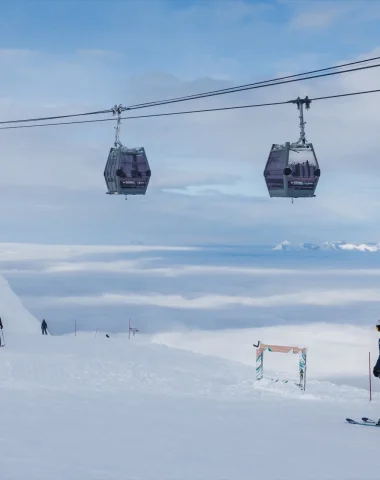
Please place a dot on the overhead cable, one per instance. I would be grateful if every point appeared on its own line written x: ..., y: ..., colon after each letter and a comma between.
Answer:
x: 261, y: 84
x: 241, y: 88
x: 186, y: 112
x: 40, y: 119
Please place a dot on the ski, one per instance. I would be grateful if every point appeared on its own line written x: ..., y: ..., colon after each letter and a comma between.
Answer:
x: 368, y: 422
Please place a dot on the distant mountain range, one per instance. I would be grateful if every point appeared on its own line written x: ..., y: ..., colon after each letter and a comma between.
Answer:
x: 363, y: 247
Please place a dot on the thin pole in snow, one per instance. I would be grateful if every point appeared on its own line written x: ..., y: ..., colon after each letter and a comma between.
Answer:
x: 134, y: 330
x: 369, y: 374
x: 75, y: 327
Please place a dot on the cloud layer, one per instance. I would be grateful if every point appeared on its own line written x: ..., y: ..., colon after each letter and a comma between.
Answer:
x: 214, y: 302
x: 168, y: 288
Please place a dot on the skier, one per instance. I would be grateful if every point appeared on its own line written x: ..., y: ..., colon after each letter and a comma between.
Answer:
x: 1, y: 327
x: 376, y: 368
x: 44, y: 327
x: 376, y: 373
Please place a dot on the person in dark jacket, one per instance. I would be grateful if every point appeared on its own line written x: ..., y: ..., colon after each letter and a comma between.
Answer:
x: 44, y: 327
x: 376, y: 368
x: 1, y: 327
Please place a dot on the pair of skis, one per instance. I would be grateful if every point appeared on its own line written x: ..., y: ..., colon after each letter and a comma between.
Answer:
x: 365, y: 421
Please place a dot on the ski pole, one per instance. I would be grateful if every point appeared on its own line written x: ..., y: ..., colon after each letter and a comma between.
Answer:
x: 370, y: 378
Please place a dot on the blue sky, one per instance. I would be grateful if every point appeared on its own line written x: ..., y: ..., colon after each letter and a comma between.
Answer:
x: 207, y: 184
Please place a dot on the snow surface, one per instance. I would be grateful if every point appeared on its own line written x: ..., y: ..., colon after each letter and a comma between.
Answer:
x: 15, y: 317
x: 91, y: 407
x: 341, y: 245
x: 336, y: 352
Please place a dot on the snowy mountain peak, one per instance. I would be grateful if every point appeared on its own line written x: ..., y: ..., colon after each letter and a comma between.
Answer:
x: 340, y: 245
x: 288, y: 246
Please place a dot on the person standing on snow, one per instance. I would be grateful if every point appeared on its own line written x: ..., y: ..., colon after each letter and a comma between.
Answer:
x: 1, y: 327
x: 44, y: 327
x: 376, y: 368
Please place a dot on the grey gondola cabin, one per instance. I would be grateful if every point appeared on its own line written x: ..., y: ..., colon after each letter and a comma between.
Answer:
x: 127, y: 171
x: 292, y: 171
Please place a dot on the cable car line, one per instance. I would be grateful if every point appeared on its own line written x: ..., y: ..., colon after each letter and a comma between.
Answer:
x: 266, y: 81
x: 186, y: 112
x: 164, y: 114
x: 250, y: 86
x: 40, y: 119
x: 241, y: 88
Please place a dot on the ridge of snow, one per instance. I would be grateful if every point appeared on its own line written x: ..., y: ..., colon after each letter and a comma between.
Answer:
x: 15, y: 317
x: 328, y: 246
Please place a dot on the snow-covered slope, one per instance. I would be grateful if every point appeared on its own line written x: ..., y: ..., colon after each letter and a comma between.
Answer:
x: 108, y: 408
x: 85, y: 363
x: 15, y: 317
x: 336, y: 352
x: 88, y: 407
x: 341, y: 245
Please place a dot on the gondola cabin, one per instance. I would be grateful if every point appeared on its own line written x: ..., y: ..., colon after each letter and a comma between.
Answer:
x: 292, y: 171
x: 127, y: 171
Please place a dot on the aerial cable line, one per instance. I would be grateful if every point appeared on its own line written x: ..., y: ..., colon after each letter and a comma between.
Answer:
x: 260, y: 84
x: 186, y: 112
x: 39, y: 119
x: 241, y: 88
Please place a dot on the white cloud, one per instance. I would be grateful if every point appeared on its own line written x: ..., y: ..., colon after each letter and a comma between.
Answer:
x: 326, y: 13
x: 131, y: 266
x: 24, y: 251
x: 214, y: 302
x: 145, y: 266
x: 321, y: 16
x: 314, y: 19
